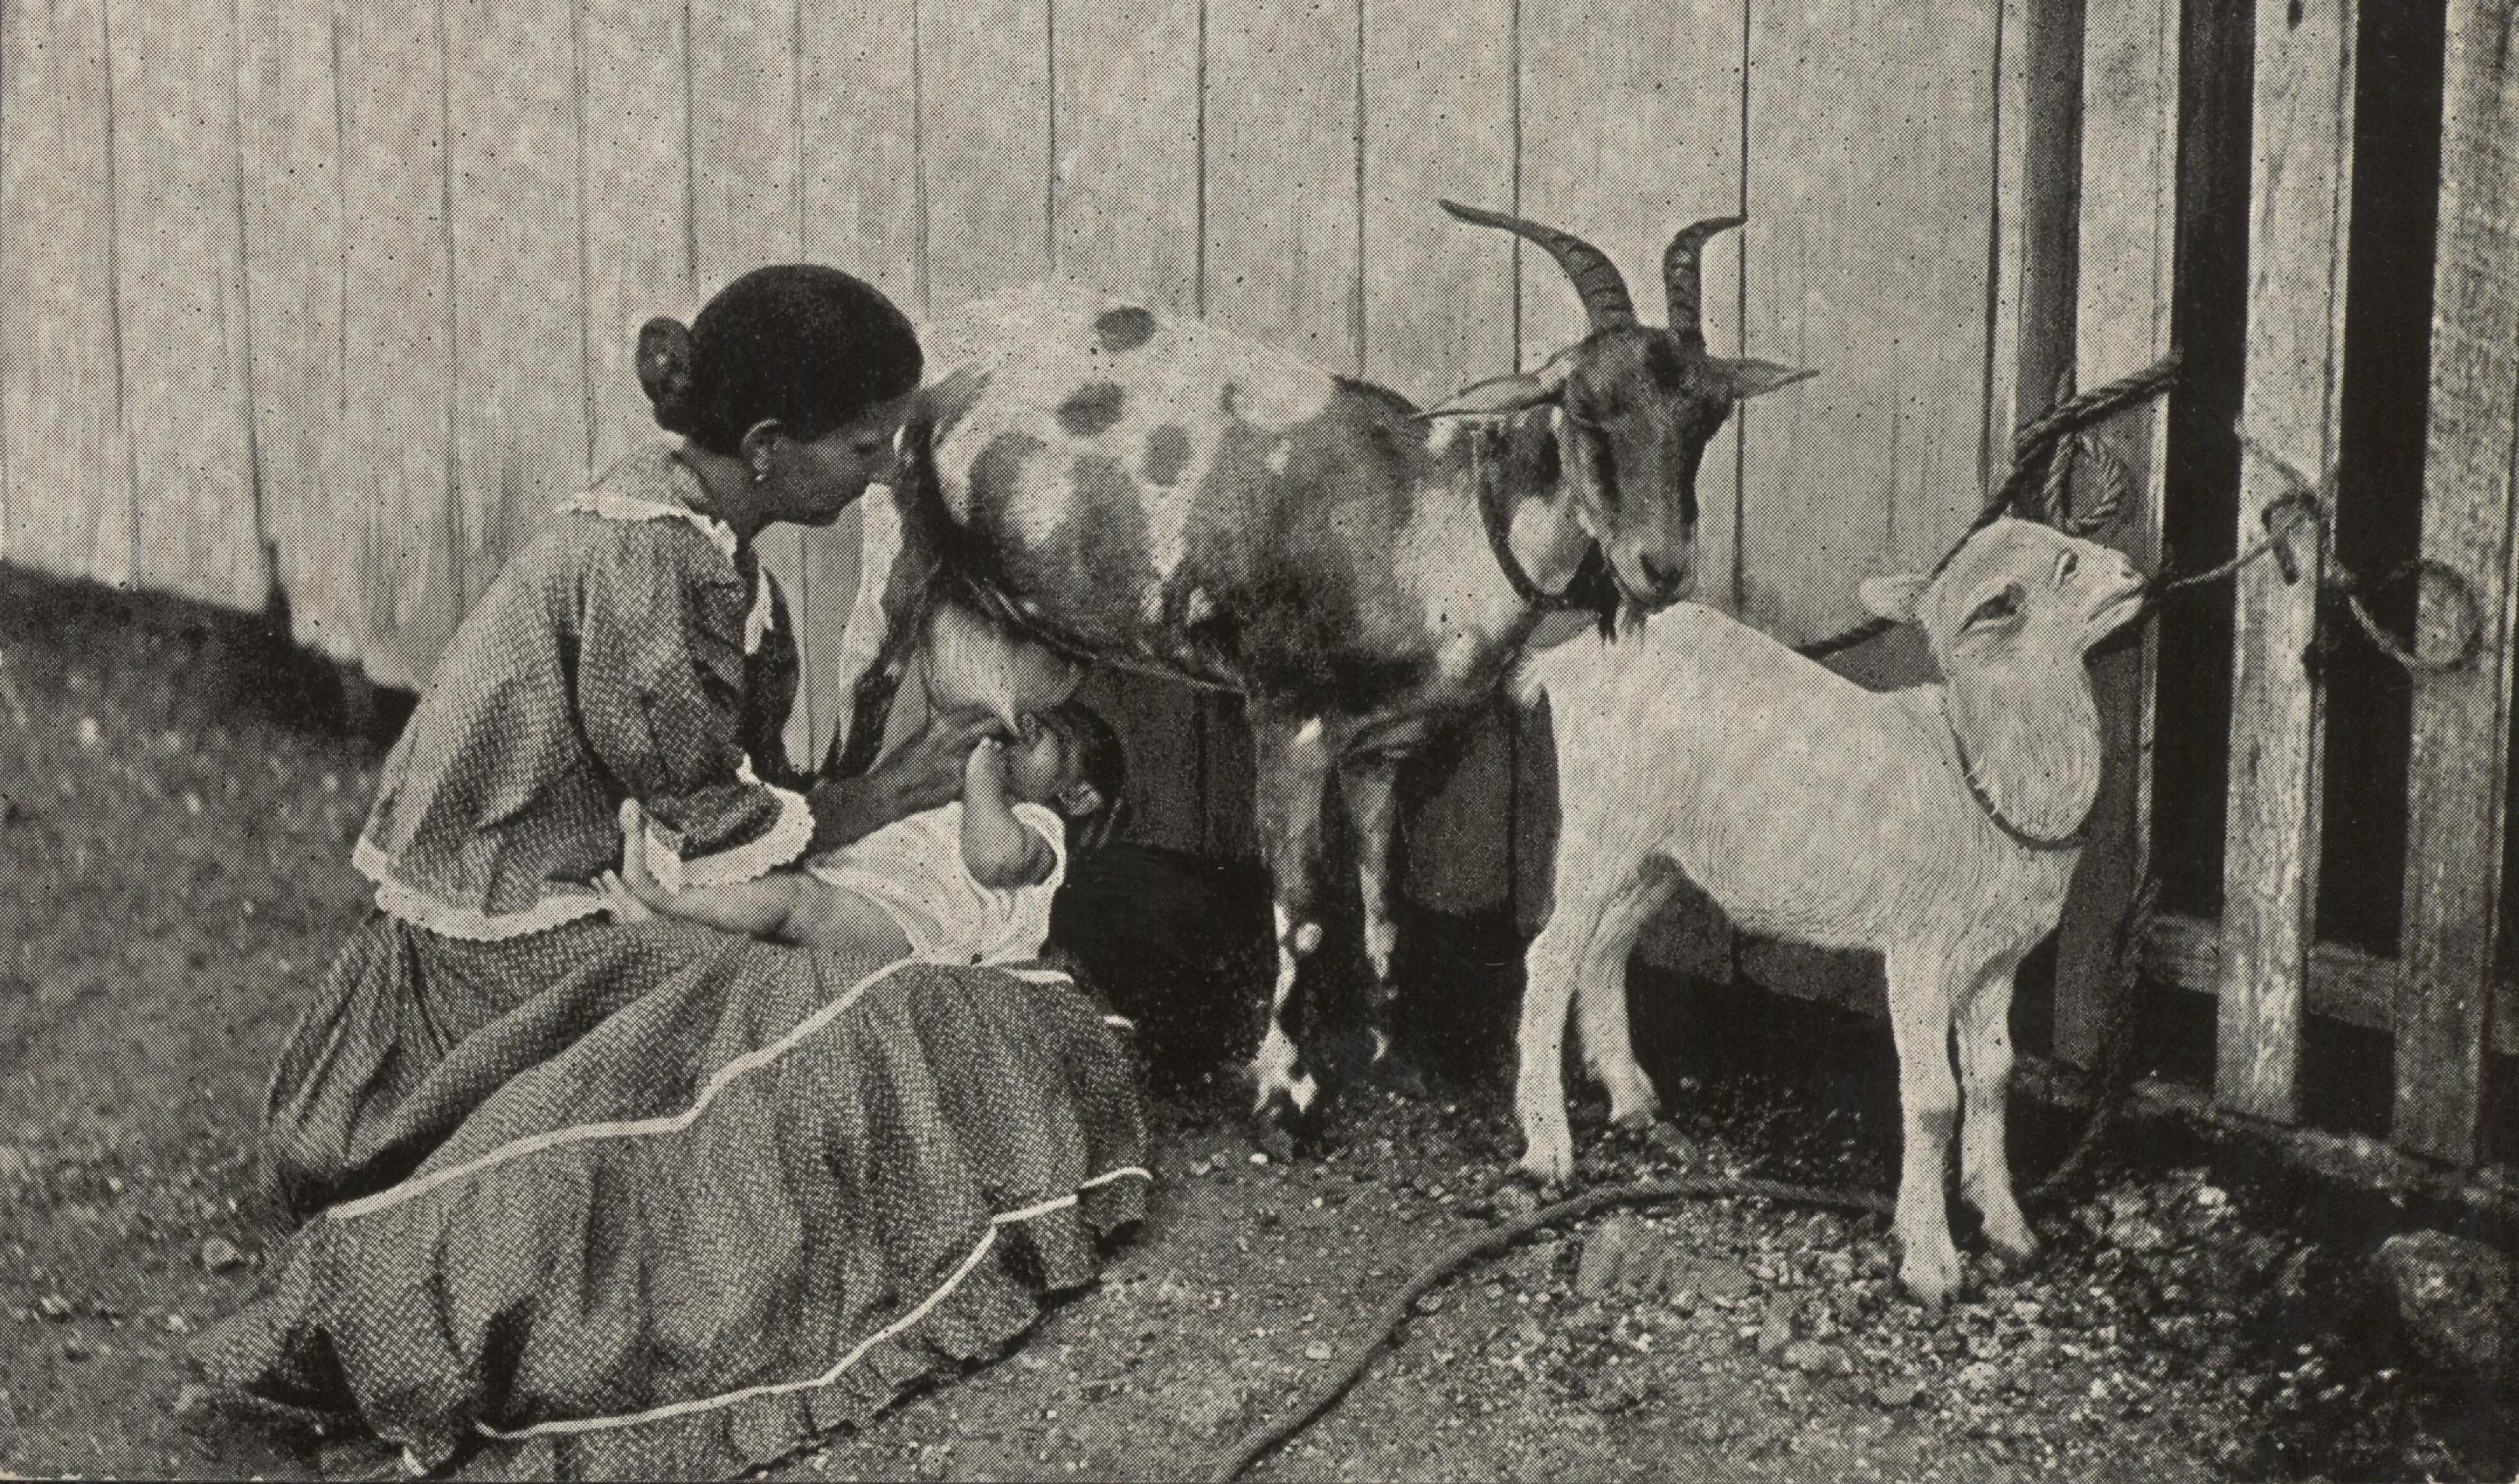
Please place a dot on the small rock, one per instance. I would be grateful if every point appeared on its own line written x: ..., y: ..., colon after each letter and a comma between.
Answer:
x: 16, y: 1163
x: 1980, y: 1376
x: 1897, y: 1392
x: 1516, y: 1201
x: 1534, y: 1266
x: 2135, y: 1235
x: 55, y: 1308
x: 1776, y: 1334
x: 2455, y: 1296
x: 1811, y: 1358
x: 1618, y: 1255
x: 220, y: 1255
x: 1708, y: 1278
x: 1317, y: 1351
x: 75, y: 1349
x: 89, y: 733
x: 191, y: 1398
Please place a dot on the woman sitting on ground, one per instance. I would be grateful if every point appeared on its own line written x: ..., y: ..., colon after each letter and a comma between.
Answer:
x: 646, y: 1199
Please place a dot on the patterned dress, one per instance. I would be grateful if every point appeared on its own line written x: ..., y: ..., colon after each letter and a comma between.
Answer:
x: 583, y: 1198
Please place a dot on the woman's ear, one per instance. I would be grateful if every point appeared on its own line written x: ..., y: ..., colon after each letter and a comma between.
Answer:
x: 759, y: 442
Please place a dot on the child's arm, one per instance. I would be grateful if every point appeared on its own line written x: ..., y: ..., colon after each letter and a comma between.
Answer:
x: 999, y: 850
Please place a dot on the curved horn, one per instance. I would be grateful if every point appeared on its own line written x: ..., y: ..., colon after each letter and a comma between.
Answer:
x: 1596, y: 277
x: 1679, y: 278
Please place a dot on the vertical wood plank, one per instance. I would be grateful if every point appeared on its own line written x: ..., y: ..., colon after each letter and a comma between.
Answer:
x: 1282, y: 228
x: 1126, y: 184
x: 1126, y: 203
x: 638, y: 205
x: 2301, y: 168
x: 1281, y: 225
x: 858, y: 202
x: 985, y: 121
x: 2129, y: 208
x: 70, y: 496
x: 1879, y: 277
x: 291, y: 121
x: 1438, y: 91
x: 397, y: 439
x: 744, y: 194
x: 521, y: 410
x: 2444, y: 1002
x: 182, y: 301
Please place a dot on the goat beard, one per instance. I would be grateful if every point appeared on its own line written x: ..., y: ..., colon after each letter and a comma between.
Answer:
x: 2030, y: 735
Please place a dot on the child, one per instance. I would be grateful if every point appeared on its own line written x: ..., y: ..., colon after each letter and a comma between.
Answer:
x: 969, y: 881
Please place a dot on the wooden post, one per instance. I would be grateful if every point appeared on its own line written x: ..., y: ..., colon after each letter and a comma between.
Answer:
x: 2301, y: 166
x: 2471, y: 488
x: 2129, y: 218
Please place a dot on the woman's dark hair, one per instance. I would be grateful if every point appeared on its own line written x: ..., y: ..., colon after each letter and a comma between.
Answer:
x: 808, y: 345
x: 1100, y: 760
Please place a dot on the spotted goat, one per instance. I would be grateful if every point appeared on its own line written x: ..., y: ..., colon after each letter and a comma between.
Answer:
x: 1153, y: 491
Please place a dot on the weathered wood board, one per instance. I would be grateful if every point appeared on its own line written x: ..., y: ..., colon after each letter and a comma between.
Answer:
x: 2301, y: 167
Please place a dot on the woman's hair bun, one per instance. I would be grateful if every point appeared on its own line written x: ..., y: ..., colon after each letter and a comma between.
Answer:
x: 664, y: 373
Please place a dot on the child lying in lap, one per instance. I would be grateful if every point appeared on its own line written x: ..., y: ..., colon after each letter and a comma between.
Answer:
x: 967, y: 883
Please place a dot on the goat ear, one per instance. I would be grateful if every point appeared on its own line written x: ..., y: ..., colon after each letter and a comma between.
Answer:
x: 1894, y: 598
x: 1757, y: 378
x: 1504, y: 394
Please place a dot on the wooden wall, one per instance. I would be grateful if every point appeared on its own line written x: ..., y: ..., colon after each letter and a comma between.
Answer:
x: 329, y: 299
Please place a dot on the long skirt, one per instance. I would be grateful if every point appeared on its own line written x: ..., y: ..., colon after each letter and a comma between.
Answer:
x: 656, y: 1201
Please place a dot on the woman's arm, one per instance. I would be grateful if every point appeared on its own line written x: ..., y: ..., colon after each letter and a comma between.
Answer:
x: 923, y: 773
x: 999, y: 850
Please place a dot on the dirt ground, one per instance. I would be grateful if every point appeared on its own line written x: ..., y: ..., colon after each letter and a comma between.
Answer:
x: 177, y: 799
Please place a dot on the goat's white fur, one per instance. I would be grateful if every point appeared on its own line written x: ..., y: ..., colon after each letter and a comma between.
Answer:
x: 1813, y: 809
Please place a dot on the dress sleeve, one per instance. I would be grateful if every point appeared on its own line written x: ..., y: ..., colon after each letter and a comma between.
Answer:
x: 773, y: 679
x: 662, y: 684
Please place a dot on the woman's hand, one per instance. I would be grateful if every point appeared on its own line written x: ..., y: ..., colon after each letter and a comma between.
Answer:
x: 926, y: 772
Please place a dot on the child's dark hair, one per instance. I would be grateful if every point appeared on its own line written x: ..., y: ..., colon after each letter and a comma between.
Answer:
x: 806, y: 345
x: 1100, y: 760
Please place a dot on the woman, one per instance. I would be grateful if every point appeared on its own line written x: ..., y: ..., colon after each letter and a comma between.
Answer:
x: 638, y: 1198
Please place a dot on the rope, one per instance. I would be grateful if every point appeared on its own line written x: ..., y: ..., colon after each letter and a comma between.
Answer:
x: 2044, y: 453
x: 1495, y: 1238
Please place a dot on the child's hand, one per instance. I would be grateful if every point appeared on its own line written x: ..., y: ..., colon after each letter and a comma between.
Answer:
x: 619, y: 901
x: 635, y: 879
x: 985, y: 766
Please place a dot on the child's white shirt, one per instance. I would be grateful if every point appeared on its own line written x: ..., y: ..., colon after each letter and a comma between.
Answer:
x: 912, y: 868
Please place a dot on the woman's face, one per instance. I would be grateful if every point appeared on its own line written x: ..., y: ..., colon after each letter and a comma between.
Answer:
x: 812, y: 483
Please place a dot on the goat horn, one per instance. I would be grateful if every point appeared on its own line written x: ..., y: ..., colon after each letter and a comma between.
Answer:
x: 1596, y: 277
x: 1679, y: 278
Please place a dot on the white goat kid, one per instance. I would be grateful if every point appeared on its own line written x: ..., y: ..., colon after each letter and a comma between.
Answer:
x: 1936, y: 825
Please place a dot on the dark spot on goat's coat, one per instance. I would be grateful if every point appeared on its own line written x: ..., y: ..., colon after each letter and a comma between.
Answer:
x: 1091, y: 409
x: 997, y: 472
x: 1168, y: 453
x: 1125, y: 328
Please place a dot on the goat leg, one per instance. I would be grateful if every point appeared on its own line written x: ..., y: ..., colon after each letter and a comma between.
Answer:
x: 1985, y: 1071
x: 1600, y: 994
x: 1293, y: 763
x: 1370, y: 785
x: 1929, y: 1108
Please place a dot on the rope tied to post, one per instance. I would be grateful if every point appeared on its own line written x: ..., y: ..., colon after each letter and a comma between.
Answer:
x: 2047, y: 449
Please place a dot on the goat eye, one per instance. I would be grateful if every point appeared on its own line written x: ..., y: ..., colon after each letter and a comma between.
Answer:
x: 1996, y: 609
x: 2065, y: 565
